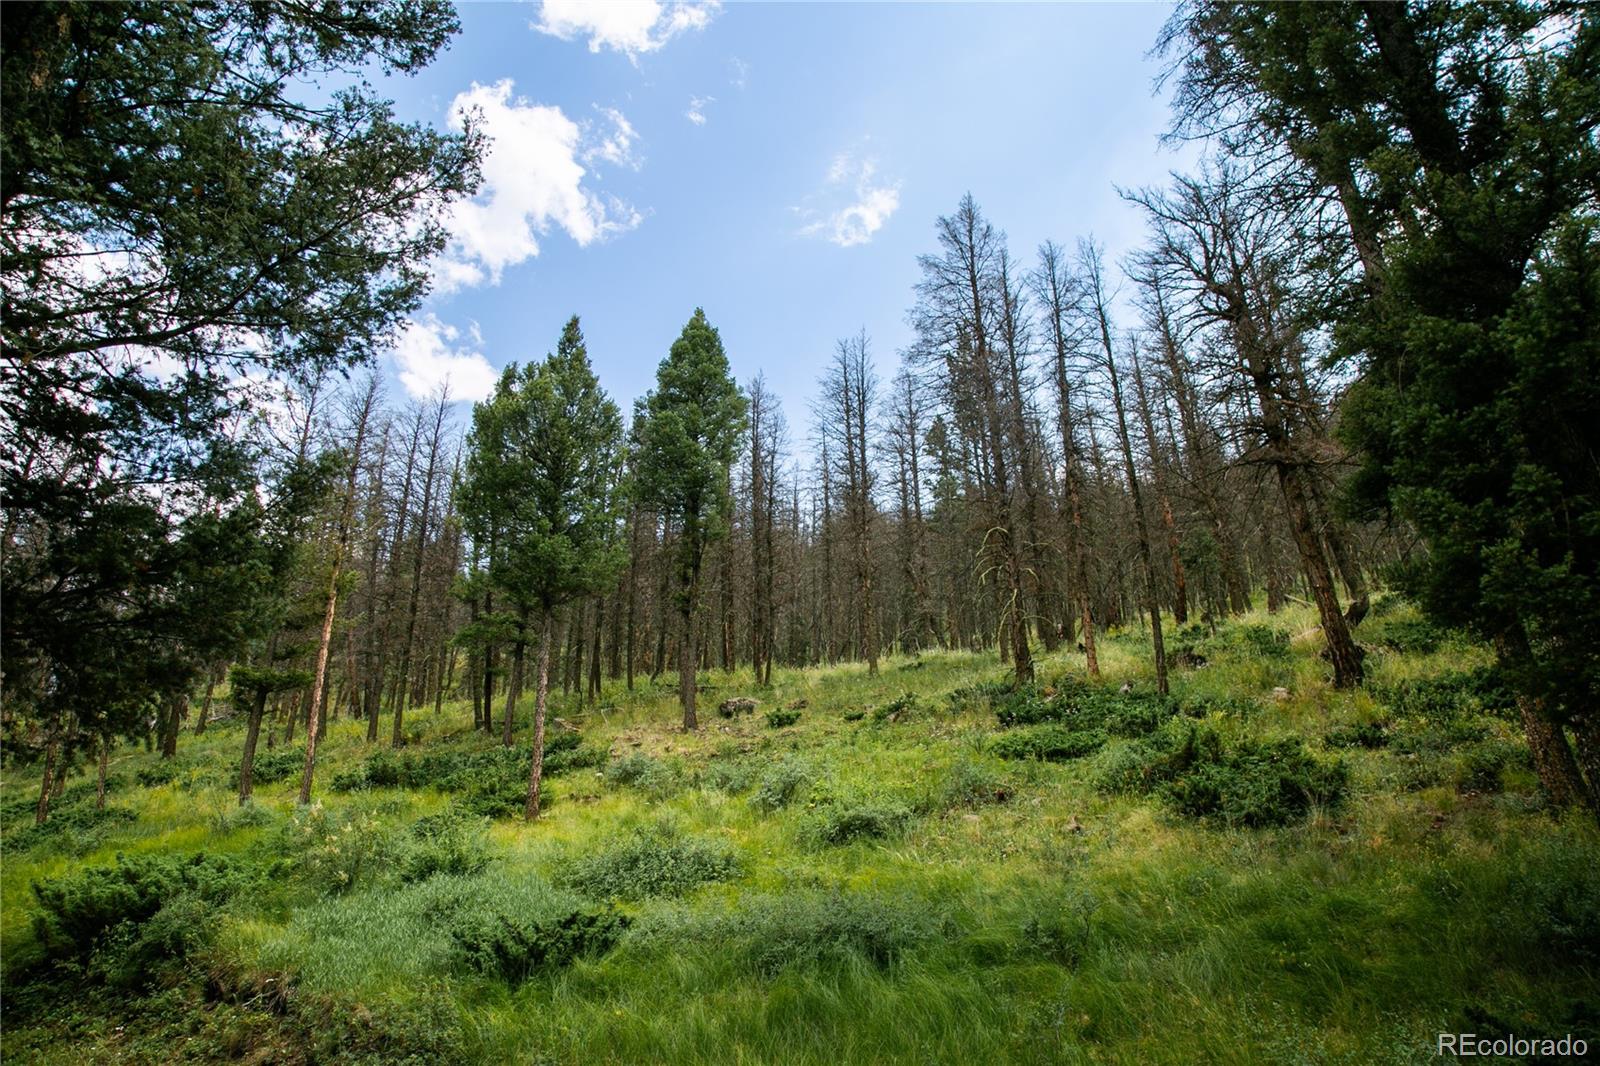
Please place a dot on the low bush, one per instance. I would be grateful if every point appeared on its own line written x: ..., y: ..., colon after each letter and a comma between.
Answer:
x: 74, y: 830
x: 454, y: 841
x: 782, y: 784
x: 493, y: 782
x: 729, y: 775
x: 648, y: 863
x: 1557, y: 897
x: 1410, y: 635
x: 1246, y: 783
x: 841, y: 823
x: 777, y: 719
x: 162, y: 773
x: 1196, y: 643
x: 966, y: 784
x: 736, y: 706
x: 513, y: 948
x: 1368, y: 735
x: 335, y: 852
x: 1050, y: 743
x: 982, y: 695
x: 1479, y: 766
x: 121, y: 920
x: 272, y: 766
x: 645, y: 773
x: 1449, y: 695
x: 809, y: 929
x: 1081, y: 706
x: 1205, y: 704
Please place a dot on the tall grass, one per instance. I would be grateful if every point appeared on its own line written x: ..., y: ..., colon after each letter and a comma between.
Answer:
x: 1016, y: 914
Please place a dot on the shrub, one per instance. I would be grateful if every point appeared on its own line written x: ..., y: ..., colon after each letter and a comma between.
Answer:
x: 902, y: 706
x: 1059, y: 929
x: 1414, y: 635
x: 1480, y: 765
x: 1255, y: 641
x: 334, y: 853
x: 644, y: 773
x: 1248, y: 783
x: 513, y: 948
x: 982, y: 695
x: 1557, y: 897
x: 1450, y: 695
x: 779, y: 718
x: 162, y: 773
x: 1051, y: 743
x: 136, y: 914
x: 781, y: 785
x: 967, y: 784
x: 649, y: 863
x: 424, y: 1030
x: 72, y: 829
x: 1082, y: 706
x: 799, y: 930
x: 1241, y: 707
x: 868, y: 820
x: 453, y: 841
x: 271, y: 766
x: 729, y: 775
x: 492, y: 782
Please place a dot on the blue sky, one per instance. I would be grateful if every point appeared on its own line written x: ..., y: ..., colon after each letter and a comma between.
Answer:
x: 781, y: 165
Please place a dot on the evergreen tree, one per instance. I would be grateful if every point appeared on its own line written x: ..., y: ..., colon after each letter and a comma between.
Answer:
x: 544, y: 467
x: 688, y: 431
x: 175, y: 221
x: 1456, y: 146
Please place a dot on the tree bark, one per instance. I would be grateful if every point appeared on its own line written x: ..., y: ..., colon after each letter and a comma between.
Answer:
x: 100, y: 777
x: 514, y: 687
x: 540, y: 694
x: 258, y: 711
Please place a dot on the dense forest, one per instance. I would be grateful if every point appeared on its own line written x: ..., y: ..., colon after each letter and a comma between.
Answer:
x: 1332, y: 422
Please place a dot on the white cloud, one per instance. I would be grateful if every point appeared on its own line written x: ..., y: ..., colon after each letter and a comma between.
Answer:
x: 428, y: 357
x: 697, y: 109
x: 631, y: 27
x: 853, y: 204
x: 738, y: 72
x: 532, y: 178
x: 615, y: 146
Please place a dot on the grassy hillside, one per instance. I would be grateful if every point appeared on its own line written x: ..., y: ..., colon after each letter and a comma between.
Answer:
x: 1261, y: 869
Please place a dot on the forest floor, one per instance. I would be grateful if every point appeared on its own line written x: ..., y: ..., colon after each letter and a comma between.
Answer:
x: 897, y: 875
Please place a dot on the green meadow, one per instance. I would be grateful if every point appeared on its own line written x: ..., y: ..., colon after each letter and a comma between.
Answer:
x: 921, y: 866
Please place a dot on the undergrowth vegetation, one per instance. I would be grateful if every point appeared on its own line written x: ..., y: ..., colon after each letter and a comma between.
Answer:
x: 926, y: 865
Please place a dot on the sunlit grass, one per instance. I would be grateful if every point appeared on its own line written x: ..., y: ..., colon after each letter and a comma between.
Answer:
x: 1060, y: 925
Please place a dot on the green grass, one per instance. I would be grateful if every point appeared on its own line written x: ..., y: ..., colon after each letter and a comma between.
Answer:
x: 1010, y: 911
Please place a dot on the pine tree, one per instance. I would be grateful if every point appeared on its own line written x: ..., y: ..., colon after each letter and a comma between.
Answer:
x: 688, y: 432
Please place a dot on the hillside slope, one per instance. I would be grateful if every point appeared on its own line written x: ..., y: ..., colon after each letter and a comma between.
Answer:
x: 922, y: 866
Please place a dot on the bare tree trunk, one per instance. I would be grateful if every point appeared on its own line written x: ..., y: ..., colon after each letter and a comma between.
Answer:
x: 176, y: 708
x: 1090, y: 259
x: 1180, y: 599
x: 514, y: 687
x: 100, y: 777
x: 41, y: 812
x: 540, y: 693
x: 213, y: 675
x: 1552, y: 755
x: 258, y: 711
